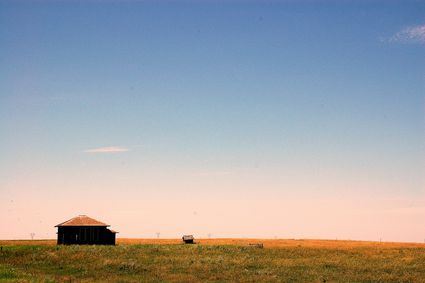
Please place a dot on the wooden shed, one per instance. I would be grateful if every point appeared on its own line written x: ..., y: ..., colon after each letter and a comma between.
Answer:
x: 83, y: 230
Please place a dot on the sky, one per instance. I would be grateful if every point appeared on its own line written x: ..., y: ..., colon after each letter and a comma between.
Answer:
x: 268, y: 119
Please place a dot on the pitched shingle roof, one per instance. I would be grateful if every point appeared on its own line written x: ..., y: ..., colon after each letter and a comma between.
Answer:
x: 82, y: 220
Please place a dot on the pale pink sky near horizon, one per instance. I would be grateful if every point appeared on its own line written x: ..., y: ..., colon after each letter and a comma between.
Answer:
x: 221, y: 212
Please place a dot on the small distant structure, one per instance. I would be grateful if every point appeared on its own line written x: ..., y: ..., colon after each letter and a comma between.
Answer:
x: 188, y: 239
x: 83, y: 230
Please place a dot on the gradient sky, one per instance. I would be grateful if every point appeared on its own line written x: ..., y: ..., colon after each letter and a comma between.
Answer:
x: 289, y: 119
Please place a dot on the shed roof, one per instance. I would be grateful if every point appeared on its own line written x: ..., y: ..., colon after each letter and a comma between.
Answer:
x: 82, y: 220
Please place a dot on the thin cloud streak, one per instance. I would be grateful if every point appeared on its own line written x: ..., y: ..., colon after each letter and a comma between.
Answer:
x: 413, y: 34
x: 107, y: 149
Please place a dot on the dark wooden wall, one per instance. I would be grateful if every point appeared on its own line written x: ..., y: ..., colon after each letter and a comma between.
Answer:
x: 85, y: 235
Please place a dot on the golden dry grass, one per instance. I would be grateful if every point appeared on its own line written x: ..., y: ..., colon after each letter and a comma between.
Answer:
x: 213, y: 260
x: 268, y: 243
x: 27, y: 242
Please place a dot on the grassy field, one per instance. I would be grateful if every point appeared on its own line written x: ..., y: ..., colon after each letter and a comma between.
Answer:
x: 215, y: 260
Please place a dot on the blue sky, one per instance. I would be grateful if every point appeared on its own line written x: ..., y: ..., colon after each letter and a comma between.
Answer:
x: 194, y: 105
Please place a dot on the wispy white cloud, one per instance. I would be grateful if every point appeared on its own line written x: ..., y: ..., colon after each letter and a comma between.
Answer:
x: 107, y: 149
x: 413, y: 34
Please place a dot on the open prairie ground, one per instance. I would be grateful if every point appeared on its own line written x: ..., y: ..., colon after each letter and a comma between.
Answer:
x: 213, y: 260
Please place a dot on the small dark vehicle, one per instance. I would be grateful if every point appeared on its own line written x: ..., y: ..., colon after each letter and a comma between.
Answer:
x: 188, y: 239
